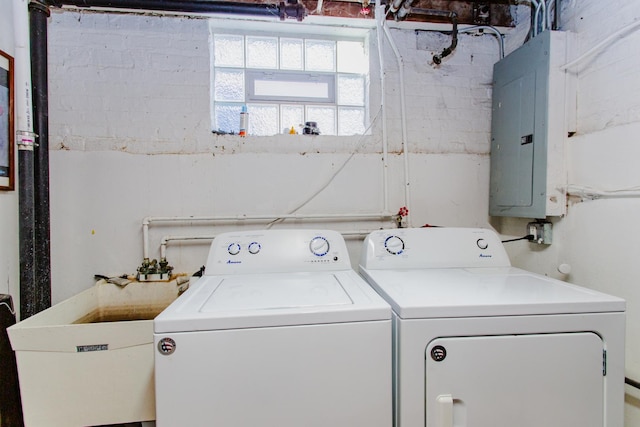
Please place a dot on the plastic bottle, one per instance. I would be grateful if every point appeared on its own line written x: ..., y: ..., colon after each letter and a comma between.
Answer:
x: 244, y: 121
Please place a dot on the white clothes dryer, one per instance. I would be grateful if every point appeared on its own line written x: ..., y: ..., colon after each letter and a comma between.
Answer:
x: 478, y: 343
x: 279, y: 332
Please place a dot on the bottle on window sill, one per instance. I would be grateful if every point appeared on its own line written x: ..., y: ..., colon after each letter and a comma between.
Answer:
x: 244, y: 121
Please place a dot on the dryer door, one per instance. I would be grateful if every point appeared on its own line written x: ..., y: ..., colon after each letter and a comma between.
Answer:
x: 550, y: 380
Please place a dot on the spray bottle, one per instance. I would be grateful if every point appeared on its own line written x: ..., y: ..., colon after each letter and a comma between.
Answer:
x: 244, y: 121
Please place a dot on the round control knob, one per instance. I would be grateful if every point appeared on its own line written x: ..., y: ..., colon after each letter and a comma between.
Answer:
x: 394, y: 245
x: 233, y: 249
x: 254, y: 248
x: 482, y: 244
x: 319, y: 246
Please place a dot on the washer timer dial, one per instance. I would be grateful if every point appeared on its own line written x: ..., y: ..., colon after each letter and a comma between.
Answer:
x: 254, y: 248
x: 319, y: 246
x: 394, y: 245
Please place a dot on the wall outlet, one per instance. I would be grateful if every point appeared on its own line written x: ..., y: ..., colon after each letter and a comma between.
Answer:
x: 541, y: 232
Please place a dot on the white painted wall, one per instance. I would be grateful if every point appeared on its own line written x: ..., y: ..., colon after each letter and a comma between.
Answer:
x: 9, y: 260
x: 598, y: 238
x: 130, y: 138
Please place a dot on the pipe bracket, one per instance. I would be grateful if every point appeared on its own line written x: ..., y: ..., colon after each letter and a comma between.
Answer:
x: 26, y: 140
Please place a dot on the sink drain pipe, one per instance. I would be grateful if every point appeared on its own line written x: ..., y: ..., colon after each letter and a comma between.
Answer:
x: 38, y: 15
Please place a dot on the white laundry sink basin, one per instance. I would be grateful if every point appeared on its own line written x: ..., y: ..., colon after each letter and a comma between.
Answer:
x: 89, y: 360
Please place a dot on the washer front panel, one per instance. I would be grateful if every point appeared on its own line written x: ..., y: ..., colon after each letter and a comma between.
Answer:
x: 336, y: 375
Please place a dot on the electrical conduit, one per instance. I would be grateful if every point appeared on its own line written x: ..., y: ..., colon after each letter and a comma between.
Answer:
x: 380, y: 16
x: 403, y: 114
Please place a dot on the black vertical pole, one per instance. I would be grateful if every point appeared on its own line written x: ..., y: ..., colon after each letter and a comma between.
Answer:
x: 38, y: 14
x: 26, y: 231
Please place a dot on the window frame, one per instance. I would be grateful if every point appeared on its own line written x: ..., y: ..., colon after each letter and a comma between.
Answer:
x: 251, y: 75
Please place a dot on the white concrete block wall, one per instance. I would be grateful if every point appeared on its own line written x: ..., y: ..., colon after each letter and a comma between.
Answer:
x: 124, y: 82
x: 609, y: 94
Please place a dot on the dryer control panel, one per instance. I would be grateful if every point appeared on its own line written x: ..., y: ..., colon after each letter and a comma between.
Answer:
x: 270, y: 251
x: 435, y: 247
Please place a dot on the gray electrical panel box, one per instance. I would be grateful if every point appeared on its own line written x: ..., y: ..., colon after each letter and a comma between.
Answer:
x: 533, y: 101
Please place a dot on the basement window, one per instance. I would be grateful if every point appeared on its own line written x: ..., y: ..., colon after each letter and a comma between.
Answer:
x: 286, y: 81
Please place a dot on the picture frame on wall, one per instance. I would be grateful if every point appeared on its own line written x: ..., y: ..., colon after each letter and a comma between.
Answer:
x: 7, y: 134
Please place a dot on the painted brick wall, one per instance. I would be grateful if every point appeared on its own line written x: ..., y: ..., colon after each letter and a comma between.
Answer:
x: 609, y: 94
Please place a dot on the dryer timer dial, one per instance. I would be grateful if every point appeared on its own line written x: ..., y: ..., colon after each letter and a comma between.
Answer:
x: 394, y: 245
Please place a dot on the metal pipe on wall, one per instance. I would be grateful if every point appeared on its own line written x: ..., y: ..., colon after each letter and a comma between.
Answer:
x: 283, y: 10
x: 38, y: 14
x: 25, y: 141
x: 26, y: 231
x: 146, y: 222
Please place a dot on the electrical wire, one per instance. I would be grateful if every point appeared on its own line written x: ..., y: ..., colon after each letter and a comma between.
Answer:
x: 618, y: 34
x: 496, y: 32
x: 527, y: 237
x: 334, y: 175
x: 591, y: 193
x: 12, y: 311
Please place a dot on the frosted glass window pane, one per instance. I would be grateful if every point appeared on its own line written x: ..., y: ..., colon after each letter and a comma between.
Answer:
x: 351, y: 121
x: 292, y: 115
x: 291, y: 54
x: 227, y: 118
x: 325, y: 117
x: 320, y: 55
x: 229, y: 85
x: 263, y: 119
x: 352, y: 57
x: 262, y: 52
x: 351, y: 90
x: 291, y: 89
x: 228, y: 51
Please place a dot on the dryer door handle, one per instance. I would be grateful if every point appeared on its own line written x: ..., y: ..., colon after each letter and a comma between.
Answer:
x: 445, y: 410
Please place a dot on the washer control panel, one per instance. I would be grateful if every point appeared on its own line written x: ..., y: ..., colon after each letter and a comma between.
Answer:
x: 277, y: 251
x: 433, y: 247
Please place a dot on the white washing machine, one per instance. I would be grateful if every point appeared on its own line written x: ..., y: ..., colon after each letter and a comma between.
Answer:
x: 279, y: 332
x: 478, y: 343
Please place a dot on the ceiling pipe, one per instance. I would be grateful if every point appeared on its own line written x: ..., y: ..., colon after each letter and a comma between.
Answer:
x: 453, y: 17
x: 288, y: 9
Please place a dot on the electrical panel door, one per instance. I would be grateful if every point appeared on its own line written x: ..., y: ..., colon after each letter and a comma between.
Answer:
x: 532, y: 99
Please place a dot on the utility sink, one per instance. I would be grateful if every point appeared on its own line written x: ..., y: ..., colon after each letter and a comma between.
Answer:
x: 88, y: 360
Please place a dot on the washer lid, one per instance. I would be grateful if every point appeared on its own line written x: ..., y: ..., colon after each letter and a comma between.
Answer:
x: 480, y: 292
x: 270, y: 300
x: 252, y: 293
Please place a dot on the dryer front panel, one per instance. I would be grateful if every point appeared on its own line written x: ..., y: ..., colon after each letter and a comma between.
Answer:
x: 544, y: 380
